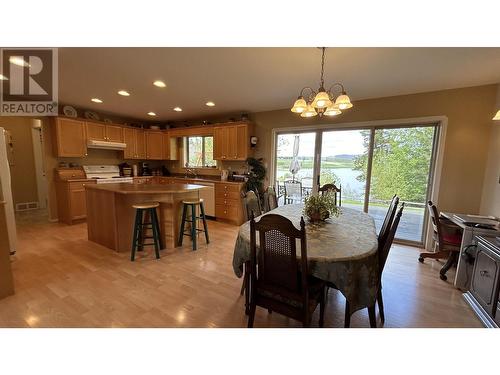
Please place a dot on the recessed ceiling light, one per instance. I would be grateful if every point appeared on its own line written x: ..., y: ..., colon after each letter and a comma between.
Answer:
x: 210, y: 104
x: 178, y: 109
x: 151, y: 113
x: 96, y: 100
x: 123, y: 93
x: 16, y: 60
x: 3, y: 78
x: 159, y: 84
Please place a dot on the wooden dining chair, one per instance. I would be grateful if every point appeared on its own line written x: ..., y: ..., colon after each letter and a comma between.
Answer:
x: 382, y: 254
x: 332, y: 188
x: 270, y: 199
x: 447, y: 241
x: 252, y: 205
x: 279, y: 281
x: 293, y: 191
x: 389, y: 217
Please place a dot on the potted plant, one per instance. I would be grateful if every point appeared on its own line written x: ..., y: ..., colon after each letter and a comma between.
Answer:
x: 320, y: 207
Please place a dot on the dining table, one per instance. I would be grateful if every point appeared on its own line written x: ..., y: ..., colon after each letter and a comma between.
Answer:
x: 341, y: 250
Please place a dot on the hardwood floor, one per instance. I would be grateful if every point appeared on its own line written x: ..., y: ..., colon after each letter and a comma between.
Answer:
x: 63, y: 280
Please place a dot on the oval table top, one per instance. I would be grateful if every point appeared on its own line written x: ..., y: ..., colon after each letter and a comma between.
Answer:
x: 341, y: 250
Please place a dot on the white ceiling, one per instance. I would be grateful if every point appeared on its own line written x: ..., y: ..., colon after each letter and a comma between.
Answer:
x: 257, y: 79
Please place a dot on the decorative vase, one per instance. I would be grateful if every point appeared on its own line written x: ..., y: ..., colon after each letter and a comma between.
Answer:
x: 317, y: 216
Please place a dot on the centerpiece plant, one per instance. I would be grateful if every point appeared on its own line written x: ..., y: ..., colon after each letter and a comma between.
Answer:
x: 320, y: 207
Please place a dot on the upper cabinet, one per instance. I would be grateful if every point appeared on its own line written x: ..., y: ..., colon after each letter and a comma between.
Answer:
x: 104, y: 132
x: 136, y: 143
x: 70, y: 138
x: 232, y: 142
x: 154, y: 145
x: 170, y: 150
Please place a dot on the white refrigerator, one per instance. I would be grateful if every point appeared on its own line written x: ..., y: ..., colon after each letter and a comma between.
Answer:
x: 6, y: 191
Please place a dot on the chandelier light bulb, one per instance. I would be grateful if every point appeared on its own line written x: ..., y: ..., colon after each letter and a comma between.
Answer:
x: 343, y: 102
x: 332, y: 110
x: 497, y: 116
x: 299, y: 106
x: 322, y: 100
x: 309, y: 112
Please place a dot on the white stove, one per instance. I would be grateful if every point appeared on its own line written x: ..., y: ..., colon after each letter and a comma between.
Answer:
x: 105, y: 174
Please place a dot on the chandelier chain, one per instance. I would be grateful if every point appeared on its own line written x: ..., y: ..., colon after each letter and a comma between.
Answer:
x: 322, y: 66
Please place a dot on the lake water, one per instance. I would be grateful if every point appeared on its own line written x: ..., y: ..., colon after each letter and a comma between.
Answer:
x: 351, y: 187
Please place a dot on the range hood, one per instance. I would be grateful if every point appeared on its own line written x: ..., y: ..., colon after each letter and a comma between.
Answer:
x: 106, y: 145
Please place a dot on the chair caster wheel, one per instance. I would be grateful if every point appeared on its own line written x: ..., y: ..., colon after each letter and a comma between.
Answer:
x: 443, y: 277
x: 421, y: 259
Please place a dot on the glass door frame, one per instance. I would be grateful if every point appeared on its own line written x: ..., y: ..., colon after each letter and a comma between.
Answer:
x: 440, y: 124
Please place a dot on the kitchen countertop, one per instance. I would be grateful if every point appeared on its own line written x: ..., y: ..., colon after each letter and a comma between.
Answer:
x: 126, y: 188
x: 199, y: 178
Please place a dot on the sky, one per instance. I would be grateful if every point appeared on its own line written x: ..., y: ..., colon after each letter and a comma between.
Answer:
x: 334, y: 143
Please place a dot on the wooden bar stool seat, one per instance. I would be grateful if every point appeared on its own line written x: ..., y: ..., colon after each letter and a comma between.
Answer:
x: 141, y: 225
x: 190, y: 205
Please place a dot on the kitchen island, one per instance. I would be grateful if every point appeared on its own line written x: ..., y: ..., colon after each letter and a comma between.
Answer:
x: 110, y: 215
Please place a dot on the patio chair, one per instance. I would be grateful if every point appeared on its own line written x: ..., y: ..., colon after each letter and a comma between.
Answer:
x: 328, y: 188
x: 293, y: 192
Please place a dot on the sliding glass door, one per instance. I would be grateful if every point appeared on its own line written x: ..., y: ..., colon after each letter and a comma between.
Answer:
x: 402, y: 160
x: 370, y: 165
x: 341, y: 151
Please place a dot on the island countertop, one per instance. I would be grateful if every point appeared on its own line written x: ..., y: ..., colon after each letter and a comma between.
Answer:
x: 125, y: 188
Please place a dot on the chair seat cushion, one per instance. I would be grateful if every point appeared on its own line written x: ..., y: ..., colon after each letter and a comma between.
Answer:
x: 452, y: 238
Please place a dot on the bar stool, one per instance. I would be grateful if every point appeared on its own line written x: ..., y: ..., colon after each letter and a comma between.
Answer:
x: 141, y: 225
x: 191, y: 204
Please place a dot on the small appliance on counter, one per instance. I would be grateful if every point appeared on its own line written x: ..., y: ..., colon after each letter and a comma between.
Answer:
x: 224, y: 175
x: 145, y: 171
x: 135, y: 170
x: 239, y: 177
x: 126, y: 170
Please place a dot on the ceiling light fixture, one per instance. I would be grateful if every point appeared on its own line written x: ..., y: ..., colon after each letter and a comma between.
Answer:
x: 96, y: 100
x: 178, y: 109
x: 159, y: 84
x: 497, y: 116
x: 123, y: 93
x: 210, y: 104
x: 323, y: 102
x: 151, y: 114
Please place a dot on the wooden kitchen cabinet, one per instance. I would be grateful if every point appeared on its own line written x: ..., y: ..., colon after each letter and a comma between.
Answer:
x: 71, y: 195
x: 136, y: 144
x: 154, y: 145
x: 170, y: 149
x: 70, y: 138
x: 103, y: 132
x: 228, y: 202
x: 232, y: 142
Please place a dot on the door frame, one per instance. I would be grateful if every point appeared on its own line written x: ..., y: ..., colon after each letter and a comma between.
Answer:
x: 441, y: 123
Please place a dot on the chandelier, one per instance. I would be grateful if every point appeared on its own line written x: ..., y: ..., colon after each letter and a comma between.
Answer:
x: 323, y: 102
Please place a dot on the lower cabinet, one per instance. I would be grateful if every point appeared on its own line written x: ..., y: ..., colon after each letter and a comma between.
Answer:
x: 71, y: 200
x: 485, y: 278
x: 484, y: 288
x: 228, y: 203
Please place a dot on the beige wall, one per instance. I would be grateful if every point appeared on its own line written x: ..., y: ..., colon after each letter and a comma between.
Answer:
x: 490, y: 202
x: 469, y: 112
x: 23, y: 174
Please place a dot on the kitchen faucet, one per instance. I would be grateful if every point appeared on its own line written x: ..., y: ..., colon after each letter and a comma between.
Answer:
x: 190, y: 171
